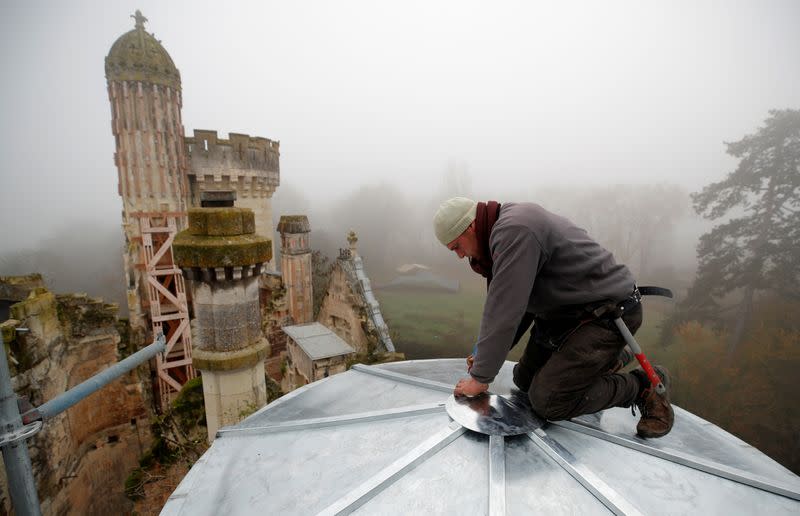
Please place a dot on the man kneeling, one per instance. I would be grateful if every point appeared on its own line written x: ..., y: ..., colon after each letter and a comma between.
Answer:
x: 541, y: 268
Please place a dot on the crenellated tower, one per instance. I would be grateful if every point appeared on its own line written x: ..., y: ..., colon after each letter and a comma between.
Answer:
x: 144, y: 88
x: 250, y: 166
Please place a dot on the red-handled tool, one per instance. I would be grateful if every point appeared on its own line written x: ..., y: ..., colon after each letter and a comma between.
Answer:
x: 655, y: 380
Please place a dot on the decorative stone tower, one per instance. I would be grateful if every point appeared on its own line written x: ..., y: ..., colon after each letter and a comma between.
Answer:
x: 144, y: 88
x: 250, y: 166
x: 296, y: 266
x: 222, y: 257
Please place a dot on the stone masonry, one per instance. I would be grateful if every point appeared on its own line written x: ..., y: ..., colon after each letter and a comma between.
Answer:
x: 222, y: 258
x: 349, y: 307
x: 82, y: 457
x: 296, y: 266
x: 274, y: 315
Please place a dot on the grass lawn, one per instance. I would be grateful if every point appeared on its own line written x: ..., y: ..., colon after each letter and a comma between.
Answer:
x: 428, y: 324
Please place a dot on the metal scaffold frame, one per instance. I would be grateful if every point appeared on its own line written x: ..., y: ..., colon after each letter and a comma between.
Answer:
x: 169, y: 308
x: 17, y: 428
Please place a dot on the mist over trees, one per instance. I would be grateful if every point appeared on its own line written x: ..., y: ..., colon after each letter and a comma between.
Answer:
x: 83, y: 255
x: 734, y: 337
x: 640, y: 224
x: 645, y: 226
x: 755, y: 247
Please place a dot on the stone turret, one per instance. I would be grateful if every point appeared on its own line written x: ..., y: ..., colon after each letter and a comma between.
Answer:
x: 144, y: 88
x: 250, y: 166
x: 296, y: 266
x: 223, y: 257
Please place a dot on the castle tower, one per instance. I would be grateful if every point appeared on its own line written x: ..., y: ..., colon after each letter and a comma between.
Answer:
x: 296, y: 266
x: 144, y: 88
x: 223, y: 258
x: 250, y: 166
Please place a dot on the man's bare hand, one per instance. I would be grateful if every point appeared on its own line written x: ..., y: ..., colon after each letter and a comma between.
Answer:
x: 470, y: 361
x: 470, y: 387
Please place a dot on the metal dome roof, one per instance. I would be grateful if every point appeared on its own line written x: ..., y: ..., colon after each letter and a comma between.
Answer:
x: 377, y: 440
x: 139, y: 56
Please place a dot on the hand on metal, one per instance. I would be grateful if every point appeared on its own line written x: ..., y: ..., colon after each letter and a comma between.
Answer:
x: 470, y: 387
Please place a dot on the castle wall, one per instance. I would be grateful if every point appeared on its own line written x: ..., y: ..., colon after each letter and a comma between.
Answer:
x: 274, y: 315
x: 343, y: 311
x: 92, y: 447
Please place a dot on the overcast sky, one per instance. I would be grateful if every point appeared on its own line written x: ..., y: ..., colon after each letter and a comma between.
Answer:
x: 521, y: 93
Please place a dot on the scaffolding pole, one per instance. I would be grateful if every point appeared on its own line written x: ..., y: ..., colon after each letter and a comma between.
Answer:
x: 13, y: 440
x: 17, y: 462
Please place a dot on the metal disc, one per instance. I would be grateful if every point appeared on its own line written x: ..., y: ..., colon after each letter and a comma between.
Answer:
x: 491, y: 414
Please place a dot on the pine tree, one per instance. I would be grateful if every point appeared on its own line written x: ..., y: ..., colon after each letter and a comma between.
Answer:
x: 757, y: 247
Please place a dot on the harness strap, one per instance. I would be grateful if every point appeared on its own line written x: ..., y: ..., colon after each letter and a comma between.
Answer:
x: 655, y: 291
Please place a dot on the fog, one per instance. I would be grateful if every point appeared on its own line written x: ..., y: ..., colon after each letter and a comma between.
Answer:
x: 384, y: 108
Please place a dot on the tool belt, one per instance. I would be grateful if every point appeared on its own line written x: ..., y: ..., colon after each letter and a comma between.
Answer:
x: 613, y: 311
x: 552, y: 331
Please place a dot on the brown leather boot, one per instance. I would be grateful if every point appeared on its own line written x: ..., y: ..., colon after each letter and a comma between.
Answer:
x: 657, y: 414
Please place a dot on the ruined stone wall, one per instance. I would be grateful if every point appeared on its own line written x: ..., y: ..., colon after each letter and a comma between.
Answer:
x: 344, y: 312
x: 329, y: 366
x: 17, y: 288
x: 300, y: 361
x: 250, y: 166
x: 298, y: 368
x: 274, y: 315
x: 14, y: 289
x: 82, y: 457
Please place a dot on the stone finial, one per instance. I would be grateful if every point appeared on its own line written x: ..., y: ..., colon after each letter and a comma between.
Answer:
x: 352, y: 239
x: 140, y: 19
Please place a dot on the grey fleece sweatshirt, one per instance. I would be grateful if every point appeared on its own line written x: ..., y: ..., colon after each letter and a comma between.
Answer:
x: 542, y: 262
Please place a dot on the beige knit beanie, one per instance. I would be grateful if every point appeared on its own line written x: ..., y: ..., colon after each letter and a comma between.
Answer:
x: 453, y: 217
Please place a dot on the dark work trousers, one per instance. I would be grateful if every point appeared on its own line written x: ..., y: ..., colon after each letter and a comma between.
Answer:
x: 575, y: 379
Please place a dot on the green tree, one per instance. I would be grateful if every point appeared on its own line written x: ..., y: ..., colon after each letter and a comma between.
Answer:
x: 757, y: 247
